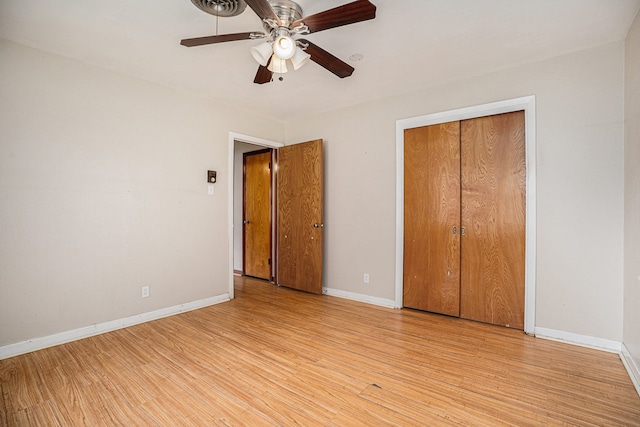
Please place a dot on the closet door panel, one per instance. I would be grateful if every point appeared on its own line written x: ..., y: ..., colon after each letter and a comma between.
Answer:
x: 493, y: 174
x: 431, y: 210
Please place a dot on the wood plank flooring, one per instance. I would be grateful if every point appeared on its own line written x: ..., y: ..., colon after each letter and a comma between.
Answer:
x: 275, y: 356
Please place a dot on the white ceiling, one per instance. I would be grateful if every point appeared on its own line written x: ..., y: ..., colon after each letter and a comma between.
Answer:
x: 410, y: 45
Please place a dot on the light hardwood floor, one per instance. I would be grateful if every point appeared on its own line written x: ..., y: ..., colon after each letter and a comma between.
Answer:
x: 274, y: 356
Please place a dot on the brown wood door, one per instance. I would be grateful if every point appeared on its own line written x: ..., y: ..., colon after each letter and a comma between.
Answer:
x: 431, y: 211
x: 493, y: 173
x: 257, y: 214
x: 299, y: 242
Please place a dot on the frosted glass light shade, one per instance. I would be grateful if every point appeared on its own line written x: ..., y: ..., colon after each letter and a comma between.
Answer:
x: 299, y: 58
x: 262, y: 52
x: 277, y: 65
x: 284, y: 47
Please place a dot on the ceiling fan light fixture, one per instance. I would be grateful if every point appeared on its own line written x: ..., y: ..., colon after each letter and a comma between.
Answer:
x: 262, y: 52
x: 284, y: 47
x: 283, y: 23
x: 299, y: 58
x: 277, y: 65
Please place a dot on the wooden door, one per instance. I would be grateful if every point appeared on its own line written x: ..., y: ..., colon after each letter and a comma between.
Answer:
x: 257, y: 214
x: 493, y: 173
x: 431, y: 211
x: 299, y: 194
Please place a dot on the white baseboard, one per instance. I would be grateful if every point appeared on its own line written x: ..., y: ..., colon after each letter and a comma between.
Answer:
x: 632, y: 367
x: 597, y: 344
x: 577, y: 339
x: 359, y: 297
x: 28, y: 346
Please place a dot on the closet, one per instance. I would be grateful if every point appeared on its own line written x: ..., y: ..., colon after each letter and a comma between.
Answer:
x: 464, y: 219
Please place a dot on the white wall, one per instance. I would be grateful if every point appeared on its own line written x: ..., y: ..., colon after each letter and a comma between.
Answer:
x: 103, y: 190
x: 580, y: 116
x: 632, y: 196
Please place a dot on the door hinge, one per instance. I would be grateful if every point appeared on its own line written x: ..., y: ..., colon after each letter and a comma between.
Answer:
x: 269, y: 261
x: 269, y: 165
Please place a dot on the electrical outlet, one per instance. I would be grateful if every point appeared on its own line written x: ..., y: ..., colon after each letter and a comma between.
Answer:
x: 145, y: 291
x: 365, y: 277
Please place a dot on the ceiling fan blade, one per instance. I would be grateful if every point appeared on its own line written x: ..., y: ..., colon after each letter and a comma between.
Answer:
x: 263, y: 9
x: 263, y: 75
x: 357, y: 11
x: 327, y: 60
x: 199, y: 41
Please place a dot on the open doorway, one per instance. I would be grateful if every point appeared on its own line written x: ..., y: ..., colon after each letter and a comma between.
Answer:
x: 238, y: 145
x: 299, y: 189
x: 258, y: 212
x: 240, y: 255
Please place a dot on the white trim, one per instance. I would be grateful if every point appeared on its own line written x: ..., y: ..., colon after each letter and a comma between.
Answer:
x: 527, y: 104
x: 580, y: 340
x: 631, y: 367
x: 233, y: 137
x: 28, y: 346
x: 383, y: 302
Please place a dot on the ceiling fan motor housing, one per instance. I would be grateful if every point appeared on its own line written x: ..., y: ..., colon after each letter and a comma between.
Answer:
x: 222, y: 8
x: 287, y: 10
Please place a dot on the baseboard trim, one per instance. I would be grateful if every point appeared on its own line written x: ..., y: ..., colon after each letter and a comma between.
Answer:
x: 35, y: 344
x: 631, y: 366
x: 28, y: 346
x: 581, y: 340
x: 359, y: 297
x: 598, y: 344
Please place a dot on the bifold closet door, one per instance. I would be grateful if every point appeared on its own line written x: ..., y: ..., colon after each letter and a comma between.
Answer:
x: 431, y: 211
x: 493, y: 183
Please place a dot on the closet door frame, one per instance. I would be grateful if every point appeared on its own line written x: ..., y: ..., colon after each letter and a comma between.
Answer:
x: 527, y: 104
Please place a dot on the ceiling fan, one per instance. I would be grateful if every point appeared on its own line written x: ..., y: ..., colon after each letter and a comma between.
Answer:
x: 282, y: 21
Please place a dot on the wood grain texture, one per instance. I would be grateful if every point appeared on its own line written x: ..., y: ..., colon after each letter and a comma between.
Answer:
x: 350, y: 13
x: 299, y: 197
x: 263, y: 75
x: 274, y: 356
x: 328, y: 61
x: 431, y: 210
x: 257, y: 214
x: 493, y: 178
x: 200, y: 41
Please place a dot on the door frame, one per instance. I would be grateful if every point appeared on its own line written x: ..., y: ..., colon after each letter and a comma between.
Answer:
x: 528, y: 104
x: 233, y: 137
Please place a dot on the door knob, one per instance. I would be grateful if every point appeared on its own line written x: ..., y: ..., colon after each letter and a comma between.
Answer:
x: 316, y: 225
x: 245, y: 222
